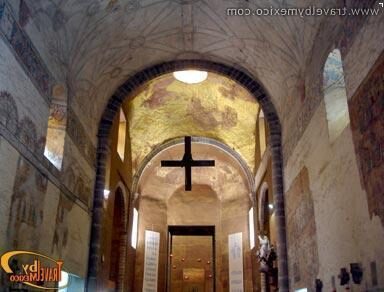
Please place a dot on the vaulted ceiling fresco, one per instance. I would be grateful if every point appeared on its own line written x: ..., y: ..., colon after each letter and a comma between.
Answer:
x: 217, y: 108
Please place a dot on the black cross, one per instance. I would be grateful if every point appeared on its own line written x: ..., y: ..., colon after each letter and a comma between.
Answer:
x: 188, y: 163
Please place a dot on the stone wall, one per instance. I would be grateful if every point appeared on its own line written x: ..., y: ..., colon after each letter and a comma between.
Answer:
x: 338, y: 180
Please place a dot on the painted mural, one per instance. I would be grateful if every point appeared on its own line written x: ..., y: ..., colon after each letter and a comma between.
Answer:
x: 27, y: 207
x: 9, y: 117
x: 61, y: 234
x: 301, y: 232
x: 23, y: 48
x: 217, y: 108
x: 367, y: 122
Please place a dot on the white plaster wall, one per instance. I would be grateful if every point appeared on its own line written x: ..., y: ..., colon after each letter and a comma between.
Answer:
x: 49, y: 221
x: 75, y: 254
x: 345, y: 233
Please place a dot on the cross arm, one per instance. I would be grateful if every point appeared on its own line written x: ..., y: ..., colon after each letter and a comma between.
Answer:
x: 171, y: 163
x: 202, y: 163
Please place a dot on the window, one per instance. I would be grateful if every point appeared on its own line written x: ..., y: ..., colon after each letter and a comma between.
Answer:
x: 262, y: 135
x: 121, y: 135
x: 134, y: 228
x: 57, y: 121
x: 335, y: 95
x: 251, y: 229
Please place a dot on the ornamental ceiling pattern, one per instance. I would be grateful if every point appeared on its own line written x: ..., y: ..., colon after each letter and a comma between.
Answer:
x: 95, y: 45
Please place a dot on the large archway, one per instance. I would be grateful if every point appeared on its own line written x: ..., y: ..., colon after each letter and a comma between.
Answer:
x: 220, y: 198
x: 126, y: 90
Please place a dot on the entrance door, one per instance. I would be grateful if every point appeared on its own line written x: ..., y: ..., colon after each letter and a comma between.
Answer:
x: 191, y: 260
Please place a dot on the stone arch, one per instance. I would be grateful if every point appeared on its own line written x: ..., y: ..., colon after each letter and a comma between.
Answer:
x: 202, y: 140
x: 127, y: 89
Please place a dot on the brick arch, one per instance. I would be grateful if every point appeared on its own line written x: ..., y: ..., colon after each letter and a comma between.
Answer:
x: 121, y: 196
x: 127, y: 89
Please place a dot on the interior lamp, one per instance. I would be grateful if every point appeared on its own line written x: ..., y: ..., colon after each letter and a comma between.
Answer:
x: 190, y: 76
x: 106, y: 194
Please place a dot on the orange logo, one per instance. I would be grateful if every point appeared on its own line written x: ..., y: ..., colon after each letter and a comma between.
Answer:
x: 33, y: 273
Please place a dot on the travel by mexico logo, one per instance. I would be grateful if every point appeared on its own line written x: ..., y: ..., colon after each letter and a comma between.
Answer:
x: 35, y: 270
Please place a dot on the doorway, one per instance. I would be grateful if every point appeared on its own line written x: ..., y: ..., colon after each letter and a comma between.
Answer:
x: 191, y: 259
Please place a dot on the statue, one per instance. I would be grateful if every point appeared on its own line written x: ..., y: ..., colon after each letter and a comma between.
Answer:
x: 264, y: 248
x: 264, y: 253
x: 267, y: 258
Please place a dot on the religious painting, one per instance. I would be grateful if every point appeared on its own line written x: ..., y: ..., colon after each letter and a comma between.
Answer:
x: 61, y: 234
x: 218, y: 108
x: 367, y: 123
x: 27, y: 203
x: 301, y: 231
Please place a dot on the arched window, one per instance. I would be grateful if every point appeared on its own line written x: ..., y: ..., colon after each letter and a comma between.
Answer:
x: 251, y: 222
x: 262, y: 133
x: 122, y: 135
x: 135, y: 226
x: 57, y: 122
x: 335, y: 95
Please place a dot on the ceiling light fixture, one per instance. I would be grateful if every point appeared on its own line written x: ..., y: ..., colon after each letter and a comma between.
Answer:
x: 190, y: 76
x: 106, y: 194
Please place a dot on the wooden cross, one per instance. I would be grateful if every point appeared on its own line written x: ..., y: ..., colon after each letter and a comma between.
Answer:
x: 188, y: 163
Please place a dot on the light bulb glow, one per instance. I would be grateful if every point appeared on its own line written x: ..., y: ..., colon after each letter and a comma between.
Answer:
x: 190, y: 76
x: 106, y: 194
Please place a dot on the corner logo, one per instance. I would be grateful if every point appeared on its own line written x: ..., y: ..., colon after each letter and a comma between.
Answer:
x: 33, y: 273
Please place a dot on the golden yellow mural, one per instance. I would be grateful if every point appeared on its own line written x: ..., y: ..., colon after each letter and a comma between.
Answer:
x: 218, y: 108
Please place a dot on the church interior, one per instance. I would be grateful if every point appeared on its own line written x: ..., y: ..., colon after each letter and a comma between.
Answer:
x: 192, y: 145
